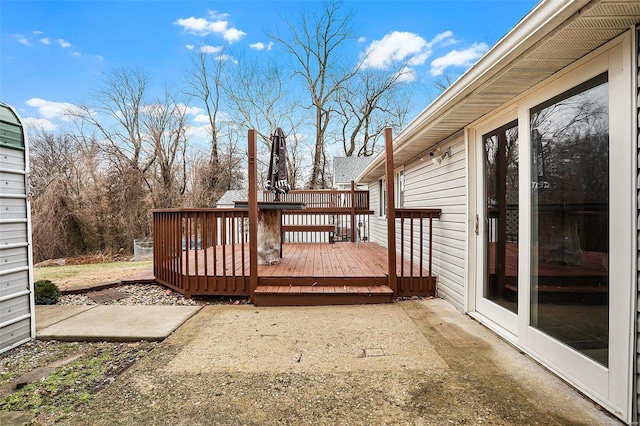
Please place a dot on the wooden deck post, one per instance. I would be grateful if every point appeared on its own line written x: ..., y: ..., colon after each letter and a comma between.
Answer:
x: 391, y: 210
x: 253, y: 212
x: 353, y: 211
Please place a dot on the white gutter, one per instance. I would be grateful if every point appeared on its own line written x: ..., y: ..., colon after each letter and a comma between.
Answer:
x: 542, y: 20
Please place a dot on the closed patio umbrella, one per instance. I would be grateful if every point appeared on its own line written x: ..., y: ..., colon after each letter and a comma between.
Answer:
x: 278, y: 177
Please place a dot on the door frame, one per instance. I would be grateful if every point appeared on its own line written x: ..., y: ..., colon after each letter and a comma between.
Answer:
x: 501, y: 319
x: 611, y: 387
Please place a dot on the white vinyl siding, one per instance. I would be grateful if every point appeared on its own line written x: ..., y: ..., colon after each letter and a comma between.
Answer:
x: 377, y: 224
x: 637, y: 46
x: 439, y: 187
x: 444, y: 187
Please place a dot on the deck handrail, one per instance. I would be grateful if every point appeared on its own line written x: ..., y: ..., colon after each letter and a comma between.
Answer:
x: 325, y: 198
x: 411, y: 247
x: 184, y: 255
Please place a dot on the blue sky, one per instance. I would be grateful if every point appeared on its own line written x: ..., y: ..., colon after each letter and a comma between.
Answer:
x: 53, y: 52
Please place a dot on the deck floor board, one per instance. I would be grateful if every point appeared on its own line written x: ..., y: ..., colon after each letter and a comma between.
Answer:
x: 299, y: 260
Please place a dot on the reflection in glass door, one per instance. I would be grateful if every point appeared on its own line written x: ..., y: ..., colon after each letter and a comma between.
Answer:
x: 501, y: 216
x: 570, y: 218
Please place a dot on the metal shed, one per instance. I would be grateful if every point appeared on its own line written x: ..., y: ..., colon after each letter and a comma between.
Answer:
x: 17, y: 322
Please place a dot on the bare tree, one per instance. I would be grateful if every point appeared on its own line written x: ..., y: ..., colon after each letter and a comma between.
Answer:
x: 165, y: 126
x: 141, y: 145
x: 369, y: 102
x: 114, y: 111
x: 254, y: 91
x: 314, y: 44
x: 65, y: 189
x: 230, y: 171
x: 205, y: 78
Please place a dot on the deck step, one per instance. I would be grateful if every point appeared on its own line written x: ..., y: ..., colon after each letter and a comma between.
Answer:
x: 306, y: 295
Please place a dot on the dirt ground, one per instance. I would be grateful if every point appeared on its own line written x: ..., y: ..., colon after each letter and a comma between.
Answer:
x: 80, y: 272
x: 411, y: 362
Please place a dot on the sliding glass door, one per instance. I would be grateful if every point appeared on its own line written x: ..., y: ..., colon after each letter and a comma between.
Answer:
x: 570, y: 218
x: 555, y: 211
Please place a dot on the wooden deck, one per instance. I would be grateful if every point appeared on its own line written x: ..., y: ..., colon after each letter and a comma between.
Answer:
x: 308, y: 274
x: 223, y: 251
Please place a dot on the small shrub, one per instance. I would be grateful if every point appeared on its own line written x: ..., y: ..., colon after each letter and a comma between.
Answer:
x: 47, y: 293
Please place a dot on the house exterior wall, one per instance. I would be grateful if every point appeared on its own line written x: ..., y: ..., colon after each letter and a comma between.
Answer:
x: 17, y: 324
x: 441, y: 187
x: 637, y: 364
x: 377, y: 223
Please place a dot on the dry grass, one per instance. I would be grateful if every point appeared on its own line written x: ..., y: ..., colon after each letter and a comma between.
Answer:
x: 71, y: 276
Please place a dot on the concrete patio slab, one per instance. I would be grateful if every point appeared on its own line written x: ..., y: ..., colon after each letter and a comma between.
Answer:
x: 15, y: 418
x: 119, y: 323
x: 47, y: 315
x: 407, y: 363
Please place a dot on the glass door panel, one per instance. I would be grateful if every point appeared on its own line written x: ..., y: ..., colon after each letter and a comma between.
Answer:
x: 570, y: 219
x: 501, y: 216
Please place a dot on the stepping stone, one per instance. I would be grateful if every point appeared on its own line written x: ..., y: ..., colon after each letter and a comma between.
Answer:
x: 107, y: 295
x: 15, y: 418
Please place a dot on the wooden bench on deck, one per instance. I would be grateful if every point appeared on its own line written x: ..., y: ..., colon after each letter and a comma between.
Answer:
x: 330, y: 229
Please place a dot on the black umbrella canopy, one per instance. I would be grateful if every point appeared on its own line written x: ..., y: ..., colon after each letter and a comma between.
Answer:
x: 278, y: 177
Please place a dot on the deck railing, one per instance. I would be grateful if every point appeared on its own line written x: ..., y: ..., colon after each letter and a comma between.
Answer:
x: 340, y: 223
x: 415, y: 251
x: 325, y: 199
x: 202, y: 251
x: 347, y: 210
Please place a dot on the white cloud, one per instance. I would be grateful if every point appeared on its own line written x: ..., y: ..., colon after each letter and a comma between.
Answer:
x: 362, y: 39
x: 395, y: 46
x: 189, y: 46
x: 407, y: 75
x: 62, y: 42
x: 399, y: 46
x: 233, y: 35
x: 217, y: 23
x: 50, y: 109
x: 39, y: 124
x: 189, y: 110
x: 458, y: 58
x: 201, y: 118
x: 261, y: 46
x: 20, y: 39
x: 227, y: 58
x: 36, y: 32
x: 445, y: 38
x: 194, y: 25
x: 45, y: 41
x: 76, y: 54
x: 210, y: 49
x: 198, y: 133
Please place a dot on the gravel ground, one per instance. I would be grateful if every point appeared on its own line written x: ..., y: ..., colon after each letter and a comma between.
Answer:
x: 149, y: 294
x: 52, y: 381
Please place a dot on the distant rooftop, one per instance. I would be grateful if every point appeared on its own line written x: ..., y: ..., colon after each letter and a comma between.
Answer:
x: 346, y: 169
x: 232, y: 195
